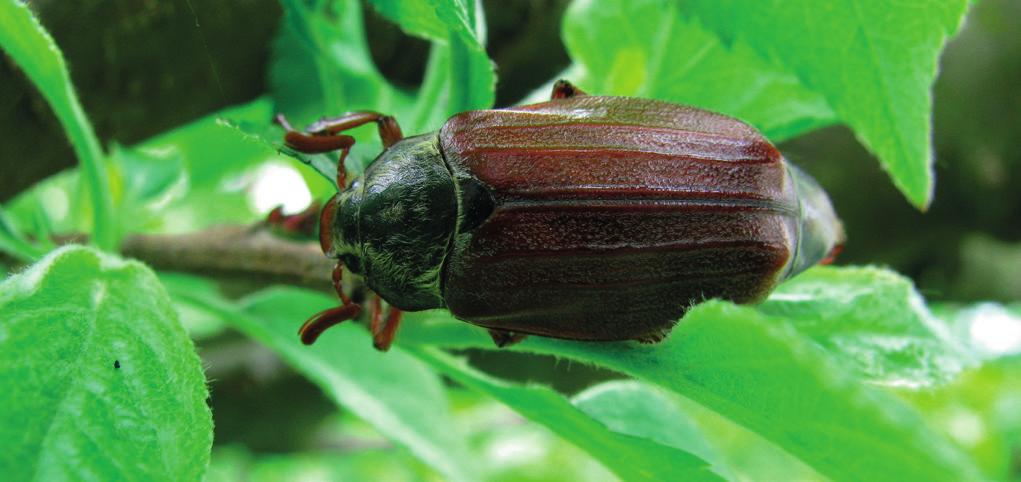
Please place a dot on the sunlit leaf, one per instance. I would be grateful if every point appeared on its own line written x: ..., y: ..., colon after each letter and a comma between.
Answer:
x: 32, y: 48
x: 647, y: 48
x: 874, y: 62
x: 391, y: 390
x: 642, y: 410
x: 763, y: 375
x: 100, y: 380
x: 631, y: 458
x: 874, y: 320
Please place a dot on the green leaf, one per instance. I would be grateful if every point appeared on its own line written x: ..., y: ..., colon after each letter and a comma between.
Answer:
x: 989, y: 330
x: 391, y: 391
x: 322, y: 68
x: 322, y: 65
x: 417, y: 17
x: 636, y: 409
x: 871, y: 319
x: 642, y: 410
x: 145, y: 182
x: 32, y: 48
x: 13, y: 241
x: 261, y: 134
x: 873, y: 61
x: 981, y: 411
x: 785, y: 68
x: 234, y: 464
x: 647, y: 48
x: 761, y: 374
x: 100, y: 380
x: 631, y: 458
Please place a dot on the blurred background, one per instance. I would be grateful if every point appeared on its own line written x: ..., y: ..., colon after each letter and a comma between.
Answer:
x: 143, y: 67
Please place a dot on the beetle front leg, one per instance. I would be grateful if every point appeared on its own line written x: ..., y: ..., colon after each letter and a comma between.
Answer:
x: 383, y: 338
x: 563, y: 89
x: 383, y: 331
x: 325, y: 319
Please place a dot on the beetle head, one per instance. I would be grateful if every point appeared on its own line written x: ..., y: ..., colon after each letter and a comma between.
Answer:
x: 393, y: 225
x: 338, y: 227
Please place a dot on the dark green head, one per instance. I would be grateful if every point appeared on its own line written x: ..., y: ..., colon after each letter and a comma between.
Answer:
x: 393, y: 225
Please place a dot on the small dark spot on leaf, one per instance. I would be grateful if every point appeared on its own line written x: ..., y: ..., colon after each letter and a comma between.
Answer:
x: 116, y: 363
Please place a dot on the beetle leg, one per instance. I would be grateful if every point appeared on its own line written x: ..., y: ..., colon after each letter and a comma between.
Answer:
x: 503, y: 338
x: 377, y: 314
x: 563, y: 89
x: 323, y: 320
x: 389, y: 130
x: 385, y: 336
x: 302, y: 224
x: 318, y: 143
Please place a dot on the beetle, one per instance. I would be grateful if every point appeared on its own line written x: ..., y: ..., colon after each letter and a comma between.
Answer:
x: 583, y: 218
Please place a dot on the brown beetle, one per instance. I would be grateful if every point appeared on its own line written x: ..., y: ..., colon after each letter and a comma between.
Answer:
x: 584, y: 218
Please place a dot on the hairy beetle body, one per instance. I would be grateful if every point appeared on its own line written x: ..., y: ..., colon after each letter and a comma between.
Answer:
x: 585, y: 217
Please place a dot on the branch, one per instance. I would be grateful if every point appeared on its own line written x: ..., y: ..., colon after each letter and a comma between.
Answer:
x: 250, y: 253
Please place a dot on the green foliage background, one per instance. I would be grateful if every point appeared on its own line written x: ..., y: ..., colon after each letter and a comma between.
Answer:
x: 845, y: 373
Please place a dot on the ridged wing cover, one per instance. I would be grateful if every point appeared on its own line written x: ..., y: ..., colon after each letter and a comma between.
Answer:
x: 611, y: 216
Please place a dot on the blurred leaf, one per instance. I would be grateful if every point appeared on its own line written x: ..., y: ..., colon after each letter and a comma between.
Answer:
x: 391, y: 391
x: 874, y: 62
x: 100, y: 380
x: 871, y: 319
x: 761, y: 374
x: 631, y: 458
x: 989, y: 267
x: 197, y: 320
x: 512, y: 449
x: 458, y: 62
x: 633, y: 408
x: 990, y: 330
x: 234, y: 464
x: 981, y: 411
x: 185, y: 179
x: 323, y: 67
x: 32, y: 48
x: 646, y: 48
x: 261, y: 134
x: 418, y: 17
x: 642, y: 410
x: 145, y: 183
x: 13, y: 241
x: 211, y: 152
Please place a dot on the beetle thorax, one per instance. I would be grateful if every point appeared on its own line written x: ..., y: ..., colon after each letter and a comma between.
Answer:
x: 393, y: 226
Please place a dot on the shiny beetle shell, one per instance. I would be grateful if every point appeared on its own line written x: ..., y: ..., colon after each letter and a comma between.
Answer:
x: 586, y: 218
